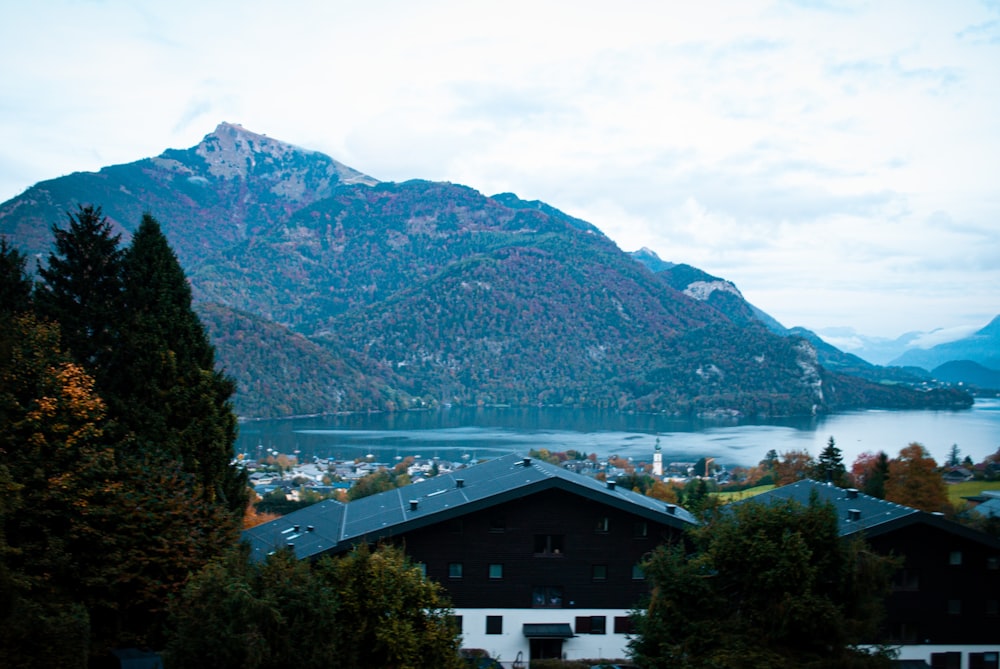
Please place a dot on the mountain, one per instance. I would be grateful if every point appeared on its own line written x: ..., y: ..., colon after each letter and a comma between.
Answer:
x: 326, y: 290
x: 725, y: 297
x: 982, y: 347
x: 968, y: 373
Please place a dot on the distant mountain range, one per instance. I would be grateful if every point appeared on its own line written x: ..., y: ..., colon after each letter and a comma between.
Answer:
x: 325, y: 290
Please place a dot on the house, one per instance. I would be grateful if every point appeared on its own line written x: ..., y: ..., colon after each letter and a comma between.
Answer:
x: 538, y: 561
x: 943, y: 608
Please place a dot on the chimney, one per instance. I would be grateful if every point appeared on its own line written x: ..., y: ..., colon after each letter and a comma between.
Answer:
x: 672, y: 509
x: 527, y: 462
x: 413, y: 504
x: 611, y: 485
x: 459, y: 483
x: 853, y: 514
x: 309, y: 528
x: 295, y: 528
x: 852, y: 493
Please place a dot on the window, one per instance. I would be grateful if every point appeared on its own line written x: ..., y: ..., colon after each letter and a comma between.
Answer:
x: 599, y: 572
x: 549, y: 544
x: 457, y: 620
x: 623, y: 625
x: 955, y: 558
x: 498, y: 524
x: 637, y: 573
x: 991, y: 607
x: 496, y: 571
x: 640, y: 529
x: 601, y: 525
x: 454, y: 570
x: 904, y: 632
x: 954, y: 607
x: 547, y: 596
x: 906, y: 579
x: 422, y: 567
x: 494, y: 624
x: 990, y: 660
x: 591, y: 625
x: 946, y: 660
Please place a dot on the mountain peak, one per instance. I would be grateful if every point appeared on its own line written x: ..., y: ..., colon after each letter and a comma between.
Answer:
x: 231, y: 151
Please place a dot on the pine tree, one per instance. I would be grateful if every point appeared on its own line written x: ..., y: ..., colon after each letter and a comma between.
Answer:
x: 162, y: 384
x: 829, y: 466
x: 81, y: 287
x: 876, y: 478
x: 15, y: 286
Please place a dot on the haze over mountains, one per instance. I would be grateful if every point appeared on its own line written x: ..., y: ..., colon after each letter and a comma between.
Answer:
x: 326, y: 290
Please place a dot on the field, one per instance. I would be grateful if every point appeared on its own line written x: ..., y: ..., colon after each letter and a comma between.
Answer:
x: 956, y: 491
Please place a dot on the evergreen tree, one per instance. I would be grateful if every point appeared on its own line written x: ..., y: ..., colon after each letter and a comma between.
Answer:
x: 162, y: 384
x: 81, y: 287
x: 829, y: 467
x: 876, y: 478
x: 15, y: 286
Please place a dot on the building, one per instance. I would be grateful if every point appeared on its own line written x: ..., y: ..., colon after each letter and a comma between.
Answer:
x: 539, y: 562
x: 943, y: 608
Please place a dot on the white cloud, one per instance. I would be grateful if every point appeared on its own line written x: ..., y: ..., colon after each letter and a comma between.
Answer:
x: 836, y: 160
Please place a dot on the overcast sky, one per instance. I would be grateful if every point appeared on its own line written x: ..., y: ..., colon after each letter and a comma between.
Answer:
x: 838, y: 161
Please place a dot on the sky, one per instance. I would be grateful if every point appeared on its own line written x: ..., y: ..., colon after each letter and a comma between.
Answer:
x: 838, y: 161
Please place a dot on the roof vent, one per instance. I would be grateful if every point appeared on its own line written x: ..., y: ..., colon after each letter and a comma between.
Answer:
x: 853, y: 514
x: 672, y: 509
x: 611, y: 485
x: 459, y: 483
x: 309, y: 528
x: 414, y: 504
x: 295, y: 528
x: 852, y: 493
x: 291, y: 546
x: 527, y: 462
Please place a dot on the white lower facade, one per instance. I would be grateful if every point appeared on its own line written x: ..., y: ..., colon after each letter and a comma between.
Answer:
x: 960, y: 656
x: 514, y: 645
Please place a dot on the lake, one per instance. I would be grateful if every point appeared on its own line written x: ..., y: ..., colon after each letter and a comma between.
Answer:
x: 452, y: 433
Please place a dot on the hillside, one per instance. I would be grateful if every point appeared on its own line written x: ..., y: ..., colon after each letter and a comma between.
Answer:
x: 325, y: 290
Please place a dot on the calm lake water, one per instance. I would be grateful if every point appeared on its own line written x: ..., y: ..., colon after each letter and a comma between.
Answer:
x: 489, y: 432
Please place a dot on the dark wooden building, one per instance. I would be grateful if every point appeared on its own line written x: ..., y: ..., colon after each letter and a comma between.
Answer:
x: 539, y: 562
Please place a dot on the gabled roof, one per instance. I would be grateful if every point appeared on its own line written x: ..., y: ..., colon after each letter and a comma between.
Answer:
x: 331, y: 526
x: 861, y: 513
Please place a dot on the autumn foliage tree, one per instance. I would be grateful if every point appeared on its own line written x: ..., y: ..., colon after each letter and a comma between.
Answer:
x: 914, y: 480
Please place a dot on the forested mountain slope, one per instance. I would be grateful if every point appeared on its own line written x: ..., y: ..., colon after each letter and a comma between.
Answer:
x: 325, y: 290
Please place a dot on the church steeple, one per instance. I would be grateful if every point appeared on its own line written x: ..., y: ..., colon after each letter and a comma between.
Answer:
x: 657, y: 459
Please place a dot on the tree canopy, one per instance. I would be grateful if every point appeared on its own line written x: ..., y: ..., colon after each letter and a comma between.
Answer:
x: 116, y: 445
x: 914, y: 480
x: 762, y: 585
x: 370, y: 608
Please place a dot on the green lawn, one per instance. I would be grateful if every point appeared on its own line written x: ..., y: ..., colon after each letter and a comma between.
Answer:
x: 727, y: 497
x: 957, y: 491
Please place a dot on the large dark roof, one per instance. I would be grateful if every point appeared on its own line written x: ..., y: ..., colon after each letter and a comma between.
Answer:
x: 335, y: 527
x: 861, y: 513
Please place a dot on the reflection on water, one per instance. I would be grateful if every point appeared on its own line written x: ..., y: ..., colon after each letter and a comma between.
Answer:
x: 488, y: 432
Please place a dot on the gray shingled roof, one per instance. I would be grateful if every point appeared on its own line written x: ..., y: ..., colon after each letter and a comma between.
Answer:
x: 335, y: 527
x: 856, y: 511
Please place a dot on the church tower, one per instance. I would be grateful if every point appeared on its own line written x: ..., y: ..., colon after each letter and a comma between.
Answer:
x: 657, y: 460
